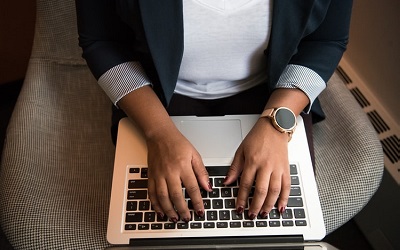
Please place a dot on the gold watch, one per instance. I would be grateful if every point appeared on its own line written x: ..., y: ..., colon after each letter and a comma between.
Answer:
x: 283, y: 119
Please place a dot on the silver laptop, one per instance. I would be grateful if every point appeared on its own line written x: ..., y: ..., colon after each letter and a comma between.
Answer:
x: 132, y: 222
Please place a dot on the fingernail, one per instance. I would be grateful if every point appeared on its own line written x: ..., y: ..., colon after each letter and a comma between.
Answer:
x: 173, y: 219
x: 186, y: 220
x: 160, y: 215
x: 264, y: 214
x: 210, y: 185
x: 252, y: 216
x: 240, y: 210
x: 282, y: 210
x: 200, y: 213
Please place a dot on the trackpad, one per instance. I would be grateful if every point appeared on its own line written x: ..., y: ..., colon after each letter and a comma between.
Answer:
x: 213, y: 138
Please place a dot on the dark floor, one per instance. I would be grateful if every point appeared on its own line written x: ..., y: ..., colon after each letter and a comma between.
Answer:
x: 347, y: 237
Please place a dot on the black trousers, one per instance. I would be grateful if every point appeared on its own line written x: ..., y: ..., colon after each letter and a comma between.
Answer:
x: 251, y: 101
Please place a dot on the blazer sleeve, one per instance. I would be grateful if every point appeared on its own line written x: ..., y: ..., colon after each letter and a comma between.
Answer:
x: 322, y: 49
x: 109, y: 49
x: 318, y: 54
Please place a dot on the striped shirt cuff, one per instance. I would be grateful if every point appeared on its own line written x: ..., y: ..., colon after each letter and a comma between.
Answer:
x: 303, y: 78
x: 123, y: 79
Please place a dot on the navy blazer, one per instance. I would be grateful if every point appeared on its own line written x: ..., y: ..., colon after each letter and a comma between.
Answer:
x: 311, y: 33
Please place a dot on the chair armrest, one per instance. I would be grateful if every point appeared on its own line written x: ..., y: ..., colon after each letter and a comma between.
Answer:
x: 349, y: 156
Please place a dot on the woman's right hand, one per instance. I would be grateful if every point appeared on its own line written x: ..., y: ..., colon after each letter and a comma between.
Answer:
x: 173, y: 162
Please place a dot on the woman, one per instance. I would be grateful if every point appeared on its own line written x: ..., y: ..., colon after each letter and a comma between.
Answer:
x: 213, y: 57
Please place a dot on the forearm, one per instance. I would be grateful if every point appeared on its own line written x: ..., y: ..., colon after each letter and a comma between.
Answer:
x: 294, y: 99
x: 144, y: 107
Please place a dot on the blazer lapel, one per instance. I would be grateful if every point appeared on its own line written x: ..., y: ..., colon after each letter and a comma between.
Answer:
x: 163, y: 26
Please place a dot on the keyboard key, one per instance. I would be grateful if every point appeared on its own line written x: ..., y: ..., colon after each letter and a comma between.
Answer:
x: 203, y: 193
x: 236, y: 216
x: 212, y: 215
x: 137, y: 194
x: 224, y: 215
x: 209, y: 225
x: 261, y: 223
x: 246, y: 214
x: 182, y: 225
x: 219, y: 182
x: 149, y: 216
x: 235, y: 224
x: 144, y: 205
x: 169, y: 226
x: 222, y: 224
x: 248, y: 223
x: 207, y: 204
x: 287, y: 223
x: 143, y: 173
x: 293, y: 169
x: 301, y: 223
x: 274, y: 223
x: 214, y: 193
x: 235, y: 192
x: 143, y: 227
x: 226, y: 192
x: 195, y: 225
x: 134, y: 217
x: 299, y: 213
x: 230, y: 203
x: 131, y: 206
x: 137, y: 184
x: 288, y: 214
x: 294, y: 180
x: 198, y: 218
x: 134, y: 170
x: 295, y: 202
x: 129, y: 227
x: 274, y: 214
x: 162, y: 219
x: 156, y: 226
x: 217, y: 204
x: 295, y: 191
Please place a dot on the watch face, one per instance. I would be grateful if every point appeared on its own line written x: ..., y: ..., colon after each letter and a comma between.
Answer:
x: 285, y: 118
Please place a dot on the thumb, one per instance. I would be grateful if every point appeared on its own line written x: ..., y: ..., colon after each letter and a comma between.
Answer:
x: 236, y: 167
x: 201, y: 173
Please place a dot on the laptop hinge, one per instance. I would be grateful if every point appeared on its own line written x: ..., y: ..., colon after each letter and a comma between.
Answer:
x: 237, y: 240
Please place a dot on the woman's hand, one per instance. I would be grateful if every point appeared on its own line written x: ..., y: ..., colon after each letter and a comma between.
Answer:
x: 173, y: 161
x: 262, y: 158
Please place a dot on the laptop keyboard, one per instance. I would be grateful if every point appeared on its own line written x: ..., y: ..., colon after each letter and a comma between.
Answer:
x: 219, y: 206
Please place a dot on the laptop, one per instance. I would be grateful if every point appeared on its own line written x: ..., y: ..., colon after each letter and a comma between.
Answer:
x: 133, y: 224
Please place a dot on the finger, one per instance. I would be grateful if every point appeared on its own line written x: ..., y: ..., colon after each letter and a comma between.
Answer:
x: 201, y: 173
x: 163, y: 198
x: 177, y: 198
x: 245, y: 186
x: 260, y: 192
x: 236, y: 167
x: 274, y: 189
x: 193, y: 190
x: 151, y: 187
x: 285, y: 191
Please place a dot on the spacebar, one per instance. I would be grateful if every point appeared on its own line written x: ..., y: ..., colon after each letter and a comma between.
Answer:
x: 217, y: 170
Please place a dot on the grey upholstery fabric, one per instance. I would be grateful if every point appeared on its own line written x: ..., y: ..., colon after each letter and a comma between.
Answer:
x: 348, y: 154
x: 56, y: 168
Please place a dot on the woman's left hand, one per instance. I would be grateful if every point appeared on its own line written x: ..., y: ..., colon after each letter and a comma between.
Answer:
x: 262, y: 158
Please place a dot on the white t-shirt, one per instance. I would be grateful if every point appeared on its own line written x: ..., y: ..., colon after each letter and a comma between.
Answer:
x: 224, y: 43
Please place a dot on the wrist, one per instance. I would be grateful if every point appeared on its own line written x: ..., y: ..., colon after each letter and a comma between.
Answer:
x: 282, y: 119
